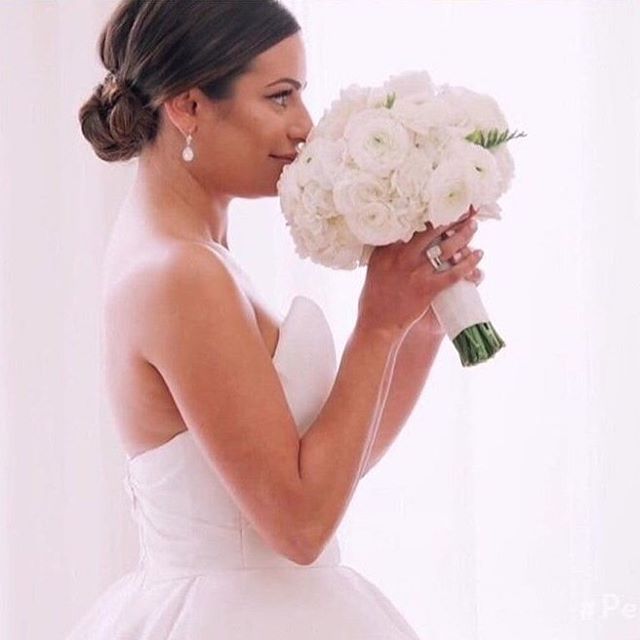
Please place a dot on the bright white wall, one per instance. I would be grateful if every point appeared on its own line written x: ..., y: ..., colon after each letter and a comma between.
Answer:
x: 506, y: 507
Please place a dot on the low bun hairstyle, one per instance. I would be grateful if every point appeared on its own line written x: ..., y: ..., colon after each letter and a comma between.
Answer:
x: 156, y: 49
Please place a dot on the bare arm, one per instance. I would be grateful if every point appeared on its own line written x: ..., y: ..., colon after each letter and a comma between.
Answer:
x: 335, y: 448
x: 196, y: 327
x: 412, y: 366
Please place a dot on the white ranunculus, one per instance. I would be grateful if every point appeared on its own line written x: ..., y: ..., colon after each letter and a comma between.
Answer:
x: 376, y: 141
x: 506, y: 166
x: 333, y: 158
x: 489, y: 211
x: 317, y: 200
x: 377, y: 98
x: 411, y: 178
x: 355, y: 189
x: 375, y: 223
x: 333, y: 121
x: 421, y: 118
x: 469, y: 110
x: 411, y: 84
x: 289, y: 191
x: 308, y: 163
x: 321, y: 160
x: 382, y: 163
x: 292, y: 178
x: 483, y: 169
x: 336, y: 247
x: 451, y: 192
x: 306, y: 219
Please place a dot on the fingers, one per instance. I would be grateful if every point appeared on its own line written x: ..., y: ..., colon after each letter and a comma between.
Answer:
x: 451, y: 238
x: 458, y: 240
x: 458, y: 271
x: 432, y: 233
x: 476, y: 276
x: 458, y: 255
x: 455, y: 243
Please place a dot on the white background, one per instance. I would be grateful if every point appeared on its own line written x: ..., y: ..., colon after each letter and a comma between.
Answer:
x: 509, y: 504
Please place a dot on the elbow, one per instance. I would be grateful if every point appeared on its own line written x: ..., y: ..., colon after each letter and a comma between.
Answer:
x: 309, y: 544
x: 303, y: 551
x: 311, y: 534
x: 303, y: 560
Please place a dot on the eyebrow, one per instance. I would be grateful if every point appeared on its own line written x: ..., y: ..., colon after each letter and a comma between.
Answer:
x: 291, y: 81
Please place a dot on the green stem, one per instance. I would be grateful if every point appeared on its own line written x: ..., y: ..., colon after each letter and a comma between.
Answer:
x: 478, y: 343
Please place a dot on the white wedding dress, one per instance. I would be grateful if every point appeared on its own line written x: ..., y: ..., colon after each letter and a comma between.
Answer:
x: 204, y: 573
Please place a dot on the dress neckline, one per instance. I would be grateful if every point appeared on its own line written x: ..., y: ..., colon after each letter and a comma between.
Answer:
x: 178, y: 436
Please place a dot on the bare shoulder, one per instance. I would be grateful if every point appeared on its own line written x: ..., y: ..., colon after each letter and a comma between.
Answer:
x: 185, y: 265
x: 197, y: 328
x: 159, y: 279
x: 181, y: 279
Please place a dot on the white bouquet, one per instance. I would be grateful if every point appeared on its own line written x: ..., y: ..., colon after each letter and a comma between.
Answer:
x: 384, y: 161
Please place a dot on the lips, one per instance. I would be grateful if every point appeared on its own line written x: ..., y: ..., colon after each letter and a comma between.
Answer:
x: 290, y: 157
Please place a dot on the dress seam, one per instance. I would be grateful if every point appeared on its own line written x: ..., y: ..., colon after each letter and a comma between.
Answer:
x: 242, y: 552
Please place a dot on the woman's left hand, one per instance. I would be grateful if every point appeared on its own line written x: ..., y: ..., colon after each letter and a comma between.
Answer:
x: 429, y: 320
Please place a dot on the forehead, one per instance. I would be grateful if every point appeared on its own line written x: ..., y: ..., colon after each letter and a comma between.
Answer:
x: 286, y: 59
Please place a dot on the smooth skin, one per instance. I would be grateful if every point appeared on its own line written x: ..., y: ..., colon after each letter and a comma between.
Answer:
x: 186, y: 346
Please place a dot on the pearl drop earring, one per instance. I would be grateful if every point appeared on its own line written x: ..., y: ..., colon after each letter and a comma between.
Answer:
x: 187, y: 152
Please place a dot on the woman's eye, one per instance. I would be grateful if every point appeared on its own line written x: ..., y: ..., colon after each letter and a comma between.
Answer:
x: 282, y: 94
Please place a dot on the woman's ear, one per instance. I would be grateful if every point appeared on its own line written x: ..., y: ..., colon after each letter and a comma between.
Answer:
x: 182, y: 110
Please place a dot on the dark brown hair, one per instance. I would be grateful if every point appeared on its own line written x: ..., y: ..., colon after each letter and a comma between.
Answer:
x: 156, y: 49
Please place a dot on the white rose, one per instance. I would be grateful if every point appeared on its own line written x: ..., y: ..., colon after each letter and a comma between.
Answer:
x: 376, y: 142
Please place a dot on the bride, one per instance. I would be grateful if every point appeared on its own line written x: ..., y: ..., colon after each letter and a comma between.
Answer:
x: 245, y: 439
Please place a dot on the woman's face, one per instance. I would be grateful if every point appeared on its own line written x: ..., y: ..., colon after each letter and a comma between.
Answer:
x: 236, y: 140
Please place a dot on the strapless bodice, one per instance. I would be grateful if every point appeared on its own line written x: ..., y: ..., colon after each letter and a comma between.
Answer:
x: 188, y: 523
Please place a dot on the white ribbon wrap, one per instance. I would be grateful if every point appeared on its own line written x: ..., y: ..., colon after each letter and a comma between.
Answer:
x: 459, y: 307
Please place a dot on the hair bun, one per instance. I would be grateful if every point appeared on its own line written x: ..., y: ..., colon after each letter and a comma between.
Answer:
x: 116, y: 120
x: 113, y: 88
x: 166, y: 47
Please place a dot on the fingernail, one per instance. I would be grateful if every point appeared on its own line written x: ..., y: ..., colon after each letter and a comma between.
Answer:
x: 479, y: 253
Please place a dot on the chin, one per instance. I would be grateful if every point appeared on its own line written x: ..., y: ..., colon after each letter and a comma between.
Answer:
x: 274, y: 190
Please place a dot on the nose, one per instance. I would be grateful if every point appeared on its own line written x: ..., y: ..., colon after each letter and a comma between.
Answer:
x: 301, y: 126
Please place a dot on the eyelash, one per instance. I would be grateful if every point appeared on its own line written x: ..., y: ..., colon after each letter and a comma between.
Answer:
x: 282, y: 94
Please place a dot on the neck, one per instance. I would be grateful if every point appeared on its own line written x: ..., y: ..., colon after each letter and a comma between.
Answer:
x: 172, y: 200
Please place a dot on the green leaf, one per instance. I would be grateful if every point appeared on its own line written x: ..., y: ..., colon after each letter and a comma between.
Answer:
x: 391, y: 98
x: 492, y: 137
